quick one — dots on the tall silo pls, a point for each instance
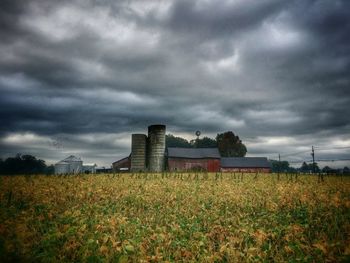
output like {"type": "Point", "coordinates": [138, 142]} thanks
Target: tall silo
{"type": "Point", "coordinates": [138, 152]}
{"type": "Point", "coordinates": [156, 148]}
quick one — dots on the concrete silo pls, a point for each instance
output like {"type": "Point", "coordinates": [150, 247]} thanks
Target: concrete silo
{"type": "Point", "coordinates": [138, 152]}
{"type": "Point", "coordinates": [156, 148]}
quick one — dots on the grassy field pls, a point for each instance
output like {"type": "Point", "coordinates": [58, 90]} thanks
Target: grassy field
{"type": "Point", "coordinates": [174, 217]}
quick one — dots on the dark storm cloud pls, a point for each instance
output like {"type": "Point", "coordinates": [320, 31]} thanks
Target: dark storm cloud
{"type": "Point", "coordinates": [9, 15]}
{"type": "Point", "coordinates": [92, 72]}
{"type": "Point", "coordinates": [219, 20]}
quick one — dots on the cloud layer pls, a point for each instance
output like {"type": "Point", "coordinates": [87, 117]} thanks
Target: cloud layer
{"type": "Point", "coordinates": [80, 76]}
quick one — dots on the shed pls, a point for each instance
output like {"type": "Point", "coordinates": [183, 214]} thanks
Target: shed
{"type": "Point", "coordinates": [187, 159]}
{"type": "Point", "coordinates": [245, 164]}
{"type": "Point", "coordinates": [104, 170]}
{"type": "Point", "coordinates": [89, 168]}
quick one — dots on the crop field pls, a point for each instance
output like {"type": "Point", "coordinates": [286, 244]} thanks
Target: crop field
{"type": "Point", "coordinates": [174, 217]}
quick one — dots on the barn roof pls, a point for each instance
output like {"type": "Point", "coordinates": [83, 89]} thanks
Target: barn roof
{"type": "Point", "coordinates": [193, 153]}
{"type": "Point", "coordinates": [245, 162]}
{"type": "Point", "coordinates": [121, 160]}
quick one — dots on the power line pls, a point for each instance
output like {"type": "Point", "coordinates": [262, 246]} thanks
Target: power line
{"type": "Point", "coordinates": [312, 151]}
{"type": "Point", "coordinates": [296, 153]}
{"type": "Point", "coordinates": [333, 160]}
{"type": "Point", "coordinates": [320, 160]}
{"type": "Point", "coordinates": [331, 148]}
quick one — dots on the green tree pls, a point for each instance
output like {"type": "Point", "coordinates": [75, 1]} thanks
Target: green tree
{"type": "Point", "coordinates": [304, 168]}
{"type": "Point", "coordinates": [327, 169]}
{"type": "Point", "coordinates": [308, 168]}
{"type": "Point", "coordinates": [22, 164]}
{"type": "Point", "coordinates": [230, 145]}
{"type": "Point", "coordinates": [205, 142]}
{"type": "Point", "coordinates": [172, 141]}
{"type": "Point", "coordinates": [280, 166]}
{"type": "Point", "coordinates": [49, 170]}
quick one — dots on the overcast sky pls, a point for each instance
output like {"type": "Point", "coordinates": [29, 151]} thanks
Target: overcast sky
{"type": "Point", "coordinates": [79, 76]}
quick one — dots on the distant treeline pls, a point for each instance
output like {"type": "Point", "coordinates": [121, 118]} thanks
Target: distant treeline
{"type": "Point", "coordinates": [283, 167]}
{"type": "Point", "coordinates": [28, 164]}
{"type": "Point", "coordinates": [229, 144]}
{"type": "Point", "coordinates": [24, 164]}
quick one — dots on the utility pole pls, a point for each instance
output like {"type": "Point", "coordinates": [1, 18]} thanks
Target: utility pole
{"type": "Point", "coordinates": [313, 159]}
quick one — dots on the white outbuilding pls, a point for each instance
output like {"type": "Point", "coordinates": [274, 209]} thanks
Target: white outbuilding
{"type": "Point", "coordinates": [70, 165]}
{"type": "Point", "coordinates": [89, 168]}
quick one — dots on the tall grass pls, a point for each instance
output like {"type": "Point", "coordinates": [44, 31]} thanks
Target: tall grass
{"type": "Point", "coordinates": [174, 216]}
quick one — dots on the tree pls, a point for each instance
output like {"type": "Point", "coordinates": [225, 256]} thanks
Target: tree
{"type": "Point", "coordinates": [280, 166]}
{"type": "Point", "coordinates": [172, 141]}
{"type": "Point", "coordinates": [308, 168]}
{"type": "Point", "coordinates": [1, 166]}
{"type": "Point", "coordinates": [49, 170]}
{"type": "Point", "coordinates": [326, 169]}
{"type": "Point", "coordinates": [205, 142]}
{"type": "Point", "coordinates": [304, 168]}
{"type": "Point", "coordinates": [230, 145]}
{"type": "Point", "coordinates": [22, 164]}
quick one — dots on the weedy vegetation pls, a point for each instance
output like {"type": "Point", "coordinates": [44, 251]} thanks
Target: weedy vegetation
{"type": "Point", "coordinates": [186, 217]}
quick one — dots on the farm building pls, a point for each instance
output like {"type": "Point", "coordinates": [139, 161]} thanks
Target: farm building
{"type": "Point", "coordinates": [149, 153]}
{"type": "Point", "coordinates": [89, 168]}
{"type": "Point", "coordinates": [70, 165]}
{"type": "Point", "coordinates": [185, 159]}
{"type": "Point", "coordinates": [103, 170]}
{"type": "Point", "coordinates": [121, 165]}
{"type": "Point", "coordinates": [245, 164]}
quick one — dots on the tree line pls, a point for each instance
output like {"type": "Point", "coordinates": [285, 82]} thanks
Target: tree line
{"type": "Point", "coordinates": [284, 167]}
{"type": "Point", "coordinates": [228, 144]}
{"type": "Point", "coordinates": [24, 164]}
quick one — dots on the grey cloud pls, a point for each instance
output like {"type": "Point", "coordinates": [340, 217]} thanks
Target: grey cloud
{"type": "Point", "coordinates": [262, 69]}
{"type": "Point", "coordinates": [223, 20]}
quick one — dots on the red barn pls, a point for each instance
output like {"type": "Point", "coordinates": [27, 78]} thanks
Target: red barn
{"type": "Point", "coordinates": [185, 159]}
{"type": "Point", "coordinates": [122, 165]}
{"type": "Point", "coordinates": [245, 164]}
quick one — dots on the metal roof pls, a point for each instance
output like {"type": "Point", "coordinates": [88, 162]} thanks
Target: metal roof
{"type": "Point", "coordinates": [70, 159]}
{"type": "Point", "coordinates": [89, 164]}
{"type": "Point", "coordinates": [193, 153]}
{"type": "Point", "coordinates": [245, 162]}
{"type": "Point", "coordinates": [121, 160]}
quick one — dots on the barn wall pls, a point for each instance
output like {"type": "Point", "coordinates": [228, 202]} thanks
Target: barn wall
{"type": "Point", "coordinates": [121, 164]}
{"type": "Point", "coordinates": [179, 164]}
{"type": "Point", "coordinates": [246, 170]}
